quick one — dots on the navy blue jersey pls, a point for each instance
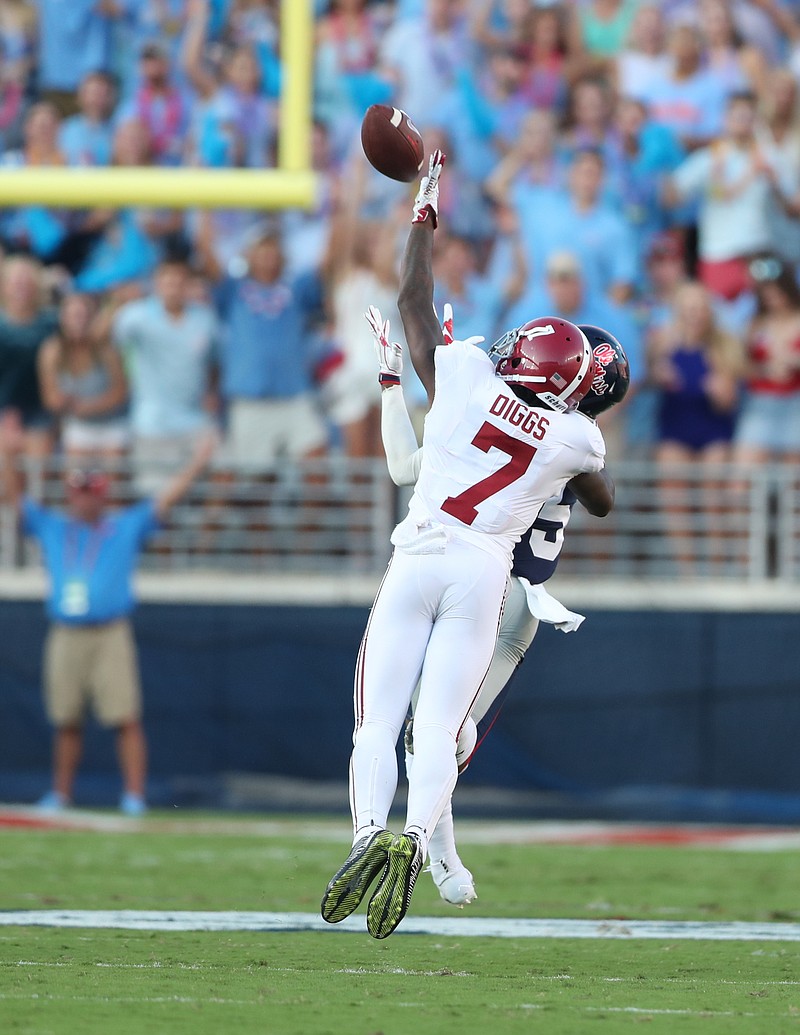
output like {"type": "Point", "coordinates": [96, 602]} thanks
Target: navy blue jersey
{"type": "Point", "coordinates": [536, 554]}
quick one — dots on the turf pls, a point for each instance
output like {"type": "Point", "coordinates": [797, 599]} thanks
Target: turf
{"type": "Point", "coordinates": [65, 981]}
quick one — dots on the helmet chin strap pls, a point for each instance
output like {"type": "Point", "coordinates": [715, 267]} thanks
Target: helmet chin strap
{"type": "Point", "coordinates": [553, 400]}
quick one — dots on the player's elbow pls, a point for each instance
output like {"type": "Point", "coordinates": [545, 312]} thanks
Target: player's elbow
{"type": "Point", "coordinates": [595, 492]}
{"type": "Point", "coordinates": [601, 508]}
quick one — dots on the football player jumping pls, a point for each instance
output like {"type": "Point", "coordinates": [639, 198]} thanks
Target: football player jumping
{"type": "Point", "coordinates": [500, 440]}
{"type": "Point", "coordinates": [536, 556]}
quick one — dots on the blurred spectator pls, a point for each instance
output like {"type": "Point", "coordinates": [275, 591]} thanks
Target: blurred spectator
{"type": "Point", "coordinates": [568, 294]}
{"type": "Point", "coordinates": [735, 185]}
{"type": "Point", "coordinates": [129, 241]}
{"type": "Point", "coordinates": [577, 219]}
{"type": "Point", "coordinates": [34, 228]}
{"type": "Point", "coordinates": [696, 367]}
{"type": "Point", "coordinates": [639, 155]}
{"type": "Point", "coordinates": [734, 65]}
{"type": "Point", "coordinates": [17, 41]}
{"type": "Point", "coordinates": [686, 96]}
{"type": "Point", "coordinates": [552, 57]}
{"type": "Point", "coordinates": [25, 322]}
{"type": "Point", "coordinates": [604, 26]}
{"type": "Point", "coordinates": [589, 115]}
{"type": "Point", "coordinates": [75, 38]}
{"type": "Point", "coordinates": [421, 56]}
{"type": "Point", "coordinates": [348, 38]}
{"type": "Point", "coordinates": [159, 105]}
{"type": "Point", "coordinates": [39, 138]}
{"type": "Point", "coordinates": [305, 231]}
{"type": "Point", "coordinates": [534, 162]}
{"type": "Point", "coordinates": [87, 137]}
{"type": "Point", "coordinates": [267, 355]}
{"type": "Point", "coordinates": [665, 271]}
{"type": "Point", "coordinates": [479, 297]}
{"type": "Point", "coordinates": [778, 138]}
{"type": "Point", "coordinates": [492, 105]}
{"type": "Point", "coordinates": [90, 656]}
{"type": "Point", "coordinates": [170, 344]}
{"type": "Point", "coordinates": [769, 425]}
{"type": "Point", "coordinates": [161, 22]}
{"type": "Point", "coordinates": [644, 58]}
{"type": "Point", "coordinates": [361, 270]}
{"type": "Point", "coordinates": [235, 123]}
{"type": "Point", "coordinates": [501, 24]}
{"type": "Point", "coordinates": [82, 382]}
{"type": "Point", "coordinates": [12, 103]}
{"type": "Point", "coordinates": [462, 200]}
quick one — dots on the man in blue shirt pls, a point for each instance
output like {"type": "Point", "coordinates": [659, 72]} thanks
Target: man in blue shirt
{"type": "Point", "coordinates": [578, 220]}
{"type": "Point", "coordinates": [87, 138]}
{"type": "Point", "coordinates": [90, 554]}
{"type": "Point", "coordinates": [566, 293]}
{"type": "Point", "coordinates": [75, 38]}
{"type": "Point", "coordinates": [268, 354]}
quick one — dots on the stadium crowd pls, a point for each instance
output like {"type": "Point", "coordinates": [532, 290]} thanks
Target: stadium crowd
{"type": "Point", "coordinates": [623, 163]}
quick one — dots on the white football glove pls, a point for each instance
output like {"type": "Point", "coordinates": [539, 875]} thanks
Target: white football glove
{"type": "Point", "coordinates": [447, 325]}
{"type": "Point", "coordinates": [390, 353]}
{"type": "Point", "coordinates": [426, 203]}
{"type": "Point", "coordinates": [448, 334]}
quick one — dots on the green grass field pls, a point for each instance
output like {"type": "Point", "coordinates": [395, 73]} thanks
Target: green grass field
{"type": "Point", "coordinates": [334, 982]}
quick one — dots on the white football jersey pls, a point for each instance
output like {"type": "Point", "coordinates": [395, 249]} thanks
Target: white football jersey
{"type": "Point", "coordinates": [489, 461]}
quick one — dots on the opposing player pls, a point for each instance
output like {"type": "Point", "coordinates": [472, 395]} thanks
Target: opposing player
{"type": "Point", "coordinates": [499, 441]}
{"type": "Point", "coordinates": [536, 556]}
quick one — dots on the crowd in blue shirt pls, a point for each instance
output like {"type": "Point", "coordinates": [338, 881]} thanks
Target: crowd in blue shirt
{"type": "Point", "coordinates": [604, 142]}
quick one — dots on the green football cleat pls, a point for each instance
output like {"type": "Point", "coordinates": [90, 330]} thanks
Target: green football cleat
{"type": "Point", "coordinates": [391, 899]}
{"type": "Point", "coordinates": [349, 884]}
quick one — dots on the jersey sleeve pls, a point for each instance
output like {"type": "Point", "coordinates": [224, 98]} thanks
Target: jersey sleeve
{"type": "Point", "coordinates": [596, 450]}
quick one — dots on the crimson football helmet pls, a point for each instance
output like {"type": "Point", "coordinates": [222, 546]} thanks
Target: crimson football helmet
{"type": "Point", "coordinates": [550, 357]}
{"type": "Point", "coordinates": [611, 376]}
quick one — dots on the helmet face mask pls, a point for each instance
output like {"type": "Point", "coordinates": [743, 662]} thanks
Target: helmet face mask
{"type": "Point", "coordinates": [549, 357]}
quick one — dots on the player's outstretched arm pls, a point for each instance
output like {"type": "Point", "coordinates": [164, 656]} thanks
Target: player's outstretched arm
{"type": "Point", "coordinates": [403, 455]}
{"type": "Point", "coordinates": [595, 490]}
{"type": "Point", "coordinates": [415, 300]}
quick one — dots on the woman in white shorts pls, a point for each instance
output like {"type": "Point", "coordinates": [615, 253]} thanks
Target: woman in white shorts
{"type": "Point", "coordinates": [769, 422]}
{"type": "Point", "coordinates": [82, 380]}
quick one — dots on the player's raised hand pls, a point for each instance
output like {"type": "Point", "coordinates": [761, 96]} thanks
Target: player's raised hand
{"type": "Point", "coordinates": [426, 203]}
{"type": "Point", "coordinates": [389, 353]}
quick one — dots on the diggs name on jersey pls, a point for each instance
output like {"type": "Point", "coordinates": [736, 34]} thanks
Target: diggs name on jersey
{"type": "Point", "coordinates": [510, 409]}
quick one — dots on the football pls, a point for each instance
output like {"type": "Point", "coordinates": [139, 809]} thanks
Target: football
{"type": "Point", "coordinates": [392, 143]}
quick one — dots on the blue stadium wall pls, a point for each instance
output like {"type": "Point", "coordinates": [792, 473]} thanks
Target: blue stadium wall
{"type": "Point", "coordinates": [642, 715]}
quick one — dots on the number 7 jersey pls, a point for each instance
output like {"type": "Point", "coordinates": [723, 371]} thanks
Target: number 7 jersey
{"type": "Point", "coordinates": [489, 461]}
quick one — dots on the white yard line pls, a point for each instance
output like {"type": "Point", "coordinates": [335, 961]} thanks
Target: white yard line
{"type": "Point", "coordinates": [460, 926]}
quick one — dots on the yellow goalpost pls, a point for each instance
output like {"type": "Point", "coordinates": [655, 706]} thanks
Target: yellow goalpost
{"type": "Point", "coordinates": [291, 185]}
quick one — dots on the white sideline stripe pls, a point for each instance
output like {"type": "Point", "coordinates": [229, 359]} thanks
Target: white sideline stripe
{"type": "Point", "coordinates": [458, 927]}
{"type": "Point", "coordinates": [491, 832]}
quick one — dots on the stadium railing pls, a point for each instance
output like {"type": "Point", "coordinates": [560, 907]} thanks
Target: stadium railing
{"type": "Point", "coordinates": [334, 516]}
